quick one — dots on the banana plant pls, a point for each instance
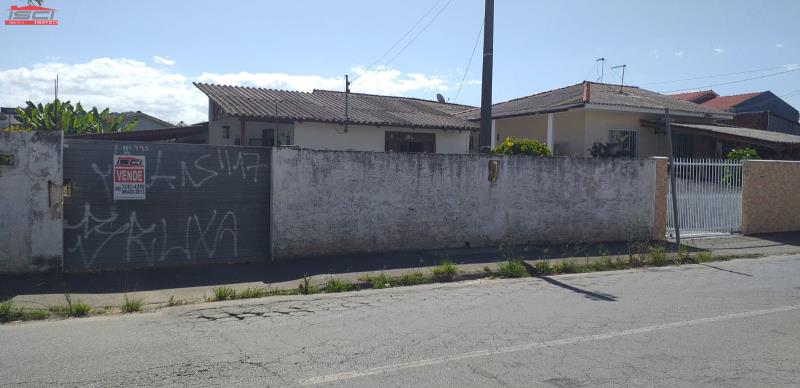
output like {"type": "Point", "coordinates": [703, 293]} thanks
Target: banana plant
{"type": "Point", "coordinates": [63, 116]}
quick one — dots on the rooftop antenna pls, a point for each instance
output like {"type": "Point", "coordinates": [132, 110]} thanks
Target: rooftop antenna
{"type": "Point", "coordinates": [602, 67]}
{"type": "Point", "coordinates": [623, 76]}
{"type": "Point", "coordinates": [440, 98]}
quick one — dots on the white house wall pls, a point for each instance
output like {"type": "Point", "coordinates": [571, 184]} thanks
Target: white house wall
{"type": "Point", "coordinates": [327, 136]}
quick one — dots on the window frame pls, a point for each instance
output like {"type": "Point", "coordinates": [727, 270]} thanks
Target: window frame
{"type": "Point", "coordinates": [624, 131]}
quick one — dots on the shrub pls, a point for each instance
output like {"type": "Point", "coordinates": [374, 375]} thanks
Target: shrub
{"type": "Point", "coordinates": [518, 146]}
{"type": "Point", "coordinates": [544, 268]}
{"type": "Point", "coordinates": [9, 311]}
{"type": "Point", "coordinates": [132, 304]}
{"type": "Point", "coordinates": [337, 285]}
{"type": "Point", "coordinates": [445, 272]}
{"type": "Point", "coordinates": [249, 293]}
{"type": "Point", "coordinates": [412, 279]}
{"type": "Point", "coordinates": [742, 154]}
{"type": "Point", "coordinates": [224, 293]}
{"type": "Point", "coordinates": [658, 256]}
{"type": "Point", "coordinates": [33, 315]}
{"type": "Point", "coordinates": [512, 269]}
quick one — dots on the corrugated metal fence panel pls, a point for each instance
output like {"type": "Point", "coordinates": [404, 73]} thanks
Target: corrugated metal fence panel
{"type": "Point", "coordinates": [204, 204]}
{"type": "Point", "coordinates": [709, 196]}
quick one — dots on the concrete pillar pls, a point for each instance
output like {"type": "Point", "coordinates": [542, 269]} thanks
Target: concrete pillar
{"type": "Point", "coordinates": [550, 144]}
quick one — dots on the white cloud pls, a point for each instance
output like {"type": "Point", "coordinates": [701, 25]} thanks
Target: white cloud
{"type": "Point", "coordinates": [655, 53]}
{"type": "Point", "coordinates": [779, 45]}
{"type": "Point", "coordinates": [719, 50]}
{"type": "Point", "coordinates": [792, 66]}
{"type": "Point", "coordinates": [126, 85]}
{"type": "Point", "coordinates": [163, 60]}
{"type": "Point", "coordinates": [679, 54]}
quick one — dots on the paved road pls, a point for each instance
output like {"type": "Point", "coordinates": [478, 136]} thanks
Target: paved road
{"type": "Point", "coordinates": [727, 324]}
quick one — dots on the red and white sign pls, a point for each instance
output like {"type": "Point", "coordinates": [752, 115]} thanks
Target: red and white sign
{"type": "Point", "coordinates": [129, 177]}
{"type": "Point", "coordinates": [31, 15]}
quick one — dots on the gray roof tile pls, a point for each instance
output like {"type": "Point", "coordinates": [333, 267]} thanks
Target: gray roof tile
{"type": "Point", "coordinates": [328, 106]}
{"type": "Point", "coordinates": [599, 94]}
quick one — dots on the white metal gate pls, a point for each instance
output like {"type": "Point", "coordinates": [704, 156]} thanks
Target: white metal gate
{"type": "Point", "coordinates": [709, 193]}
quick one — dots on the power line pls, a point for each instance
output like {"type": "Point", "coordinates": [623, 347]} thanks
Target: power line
{"type": "Point", "coordinates": [466, 71]}
{"type": "Point", "coordinates": [713, 76]}
{"type": "Point", "coordinates": [732, 82]}
{"type": "Point", "coordinates": [421, 18]}
{"type": "Point", "coordinates": [413, 39]}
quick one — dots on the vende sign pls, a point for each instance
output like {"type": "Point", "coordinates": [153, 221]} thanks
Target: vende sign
{"type": "Point", "coordinates": [129, 177]}
{"type": "Point", "coordinates": [31, 15]}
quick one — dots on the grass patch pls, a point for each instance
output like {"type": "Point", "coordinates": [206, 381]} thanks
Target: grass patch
{"type": "Point", "coordinates": [306, 288]}
{"type": "Point", "coordinates": [566, 266]}
{"type": "Point", "coordinates": [658, 256]}
{"type": "Point", "coordinates": [250, 293]}
{"type": "Point", "coordinates": [338, 285]}
{"type": "Point", "coordinates": [512, 269]}
{"type": "Point", "coordinates": [131, 304]}
{"type": "Point", "coordinates": [704, 257]}
{"type": "Point", "coordinates": [224, 293]}
{"type": "Point", "coordinates": [412, 279]}
{"type": "Point", "coordinates": [445, 272]}
{"type": "Point", "coordinates": [544, 268]}
{"type": "Point", "coordinates": [10, 311]}
{"type": "Point", "coordinates": [380, 281]}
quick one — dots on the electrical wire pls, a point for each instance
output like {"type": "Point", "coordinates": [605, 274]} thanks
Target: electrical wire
{"type": "Point", "coordinates": [366, 75]}
{"type": "Point", "coordinates": [732, 82]}
{"type": "Point", "coordinates": [421, 18]}
{"type": "Point", "coordinates": [466, 71]}
{"type": "Point", "coordinates": [713, 76]}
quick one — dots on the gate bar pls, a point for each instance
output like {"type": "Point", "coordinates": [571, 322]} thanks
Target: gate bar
{"type": "Point", "coordinates": [671, 165]}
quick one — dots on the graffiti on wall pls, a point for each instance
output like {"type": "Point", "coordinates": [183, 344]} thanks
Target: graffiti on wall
{"type": "Point", "coordinates": [196, 201]}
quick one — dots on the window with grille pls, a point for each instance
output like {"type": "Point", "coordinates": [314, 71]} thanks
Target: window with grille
{"type": "Point", "coordinates": [626, 141]}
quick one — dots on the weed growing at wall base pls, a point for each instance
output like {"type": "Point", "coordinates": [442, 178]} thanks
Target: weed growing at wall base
{"type": "Point", "coordinates": [224, 293]}
{"type": "Point", "coordinates": [131, 304]}
{"type": "Point", "coordinates": [445, 272]}
{"type": "Point", "coordinates": [338, 285]}
{"type": "Point", "coordinates": [512, 269]}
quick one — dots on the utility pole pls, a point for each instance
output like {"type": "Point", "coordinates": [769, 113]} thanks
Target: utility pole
{"type": "Point", "coordinates": [346, 101]}
{"type": "Point", "coordinates": [671, 164]}
{"type": "Point", "coordinates": [485, 138]}
{"type": "Point", "coordinates": [56, 87]}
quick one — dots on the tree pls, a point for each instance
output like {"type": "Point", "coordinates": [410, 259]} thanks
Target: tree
{"type": "Point", "coordinates": [62, 116]}
{"type": "Point", "coordinates": [517, 146]}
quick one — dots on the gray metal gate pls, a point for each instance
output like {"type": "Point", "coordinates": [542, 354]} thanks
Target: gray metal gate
{"type": "Point", "coordinates": [203, 204]}
{"type": "Point", "coordinates": [709, 194]}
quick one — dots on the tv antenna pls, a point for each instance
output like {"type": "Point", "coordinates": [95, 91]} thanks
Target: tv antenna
{"type": "Point", "coordinates": [602, 67]}
{"type": "Point", "coordinates": [623, 76]}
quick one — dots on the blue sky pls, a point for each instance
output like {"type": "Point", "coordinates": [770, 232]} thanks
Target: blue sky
{"type": "Point", "coordinates": [105, 51]}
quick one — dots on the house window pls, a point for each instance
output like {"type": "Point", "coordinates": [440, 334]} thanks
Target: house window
{"type": "Point", "coordinates": [626, 141]}
{"type": "Point", "coordinates": [410, 142]}
{"type": "Point", "coordinates": [226, 132]}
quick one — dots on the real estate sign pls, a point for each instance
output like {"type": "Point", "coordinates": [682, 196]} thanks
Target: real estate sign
{"type": "Point", "coordinates": [129, 180]}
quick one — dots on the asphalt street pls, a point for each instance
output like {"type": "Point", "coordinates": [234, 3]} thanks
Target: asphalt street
{"type": "Point", "coordinates": [731, 323]}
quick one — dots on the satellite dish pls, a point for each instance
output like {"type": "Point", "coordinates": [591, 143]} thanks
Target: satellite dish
{"type": "Point", "coordinates": [440, 98]}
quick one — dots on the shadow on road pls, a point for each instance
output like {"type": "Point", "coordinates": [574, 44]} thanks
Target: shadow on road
{"type": "Point", "coordinates": [270, 272]}
{"type": "Point", "coordinates": [726, 270]}
{"type": "Point", "coordinates": [588, 294]}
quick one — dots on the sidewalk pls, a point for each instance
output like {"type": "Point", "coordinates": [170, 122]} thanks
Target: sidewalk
{"type": "Point", "coordinates": [194, 284]}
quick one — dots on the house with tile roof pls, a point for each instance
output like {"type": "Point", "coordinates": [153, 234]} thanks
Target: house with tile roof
{"type": "Point", "coordinates": [333, 120]}
{"type": "Point", "coordinates": [571, 120]}
{"type": "Point", "coordinates": [760, 110]}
